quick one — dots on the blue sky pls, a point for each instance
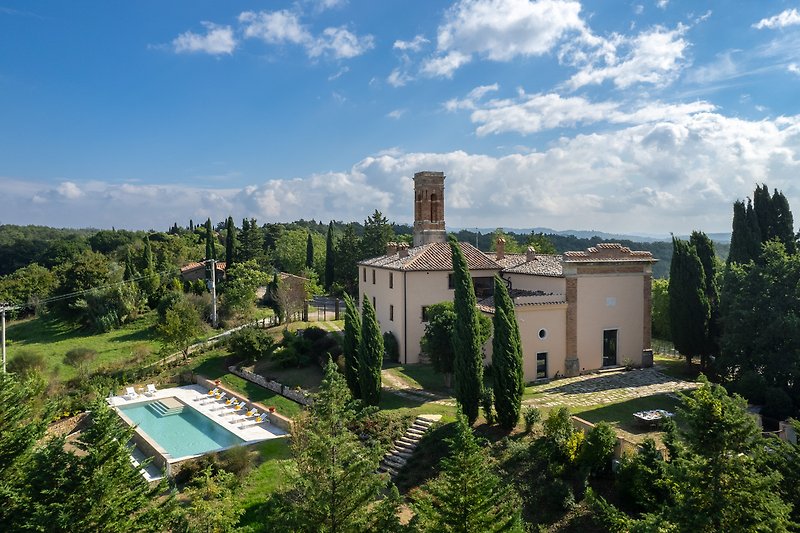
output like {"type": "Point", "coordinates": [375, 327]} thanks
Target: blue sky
{"type": "Point", "coordinates": [643, 116]}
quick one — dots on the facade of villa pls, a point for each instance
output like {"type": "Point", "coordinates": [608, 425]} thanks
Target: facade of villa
{"type": "Point", "coordinates": [577, 312]}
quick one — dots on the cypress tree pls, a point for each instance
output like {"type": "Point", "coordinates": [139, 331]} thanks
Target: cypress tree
{"type": "Point", "coordinates": [740, 233]}
{"type": "Point", "coordinates": [330, 258]}
{"type": "Point", "coordinates": [467, 496]}
{"type": "Point", "coordinates": [468, 357]}
{"type": "Point", "coordinates": [708, 259]}
{"type": "Point", "coordinates": [765, 214]}
{"type": "Point", "coordinates": [689, 309]}
{"type": "Point", "coordinates": [783, 222]}
{"type": "Point", "coordinates": [309, 252]}
{"type": "Point", "coordinates": [506, 359]}
{"type": "Point", "coordinates": [370, 355]}
{"type": "Point", "coordinates": [754, 236]}
{"type": "Point", "coordinates": [147, 255]}
{"type": "Point", "coordinates": [191, 226]}
{"type": "Point", "coordinates": [230, 242]}
{"type": "Point", "coordinates": [211, 247]}
{"type": "Point", "coordinates": [350, 343]}
{"type": "Point", "coordinates": [130, 269]}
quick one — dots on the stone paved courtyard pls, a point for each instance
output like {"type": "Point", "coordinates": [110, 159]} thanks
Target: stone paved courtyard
{"type": "Point", "coordinates": [606, 387]}
{"type": "Point", "coordinates": [583, 391]}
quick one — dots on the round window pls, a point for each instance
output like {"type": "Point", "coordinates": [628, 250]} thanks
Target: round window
{"type": "Point", "coordinates": [542, 333]}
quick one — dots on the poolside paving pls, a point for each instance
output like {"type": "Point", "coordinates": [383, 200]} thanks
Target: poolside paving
{"type": "Point", "coordinates": [606, 387]}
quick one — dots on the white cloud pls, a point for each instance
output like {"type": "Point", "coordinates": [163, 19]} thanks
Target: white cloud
{"type": "Point", "coordinates": [789, 17]}
{"type": "Point", "coordinates": [472, 98]}
{"type": "Point", "coordinates": [396, 114]}
{"type": "Point", "coordinates": [445, 66]}
{"type": "Point", "coordinates": [654, 57]}
{"type": "Point", "coordinates": [414, 45]}
{"type": "Point", "coordinates": [793, 68]}
{"type": "Point", "coordinates": [340, 43]}
{"type": "Point", "coordinates": [339, 73]}
{"type": "Point", "coordinates": [276, 27]}
{"type": "Point", "coordinates": [662, 4]}
{"type": "Point", "coordinates": [398, 78]}
{"type": "Point", "coordinates": [69, 190]}
{"type": "Point", "coordinates": [217, 40]}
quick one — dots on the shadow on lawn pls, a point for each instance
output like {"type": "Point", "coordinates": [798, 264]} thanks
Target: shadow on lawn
{"type": "Point", "coordinates": [621, 414]}
{"type": "Point", "coordinates": [617, 380]}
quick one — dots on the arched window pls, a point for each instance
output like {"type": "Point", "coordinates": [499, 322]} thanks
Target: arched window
{"type": "Point", "coordinates": [433, 207]}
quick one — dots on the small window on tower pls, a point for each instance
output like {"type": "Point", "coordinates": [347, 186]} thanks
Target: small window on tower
{"type": "Point", "coordinates": [373, 276]}
{"type": "Point", "coordinates": [365, 273]}
{"type": "Point", "coordinates": [391, 280]}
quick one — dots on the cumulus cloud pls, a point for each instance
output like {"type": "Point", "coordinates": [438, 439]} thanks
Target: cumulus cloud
{"type": "Point", "coordinates": [793, 68]}
{"type": "Point", "coordinates": [654, 57]}
{"type": "Point", "coordinates": [677, 173]}
{"type": "Point", "coordinates": [217, 40]}
{"type": "Point", "coordinates": [340, 43]}
{"type": "Point", "coordinates": [396, 113]}
{"type": "Point", "coordinates": [444, 66]}
{"type": "Point", "coordinates": [276, 27]}
{"type": "Point", "coordinates": [789, 17]}
{"type": "Point", "coordinates": [414, 45]}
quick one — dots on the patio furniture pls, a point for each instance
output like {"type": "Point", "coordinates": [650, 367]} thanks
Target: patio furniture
{"type": "Point", "coordinates": [653, 417]}
{"type": "Point", "coordinates": [151, 390]}
{"type": "Point", "coordinates": [130, 394]}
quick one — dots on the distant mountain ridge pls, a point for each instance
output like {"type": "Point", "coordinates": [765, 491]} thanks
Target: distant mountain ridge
{"type": "Point", "coordinates": [588, 234]}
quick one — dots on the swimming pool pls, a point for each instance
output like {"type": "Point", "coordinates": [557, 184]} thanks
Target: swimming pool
{"type": "Point", "coordinates": [179, 429]}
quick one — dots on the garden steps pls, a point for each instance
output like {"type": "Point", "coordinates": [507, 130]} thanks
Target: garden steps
{"type": "Point", "coordinates": [396, 458]}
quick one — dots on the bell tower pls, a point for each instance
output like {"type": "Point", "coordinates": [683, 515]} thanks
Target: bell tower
{"type": "Point", "coordinates": [429, 208]}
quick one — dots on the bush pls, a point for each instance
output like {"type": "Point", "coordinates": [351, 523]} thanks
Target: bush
{"type": "Point", "coordinates": [314, 333]}
{"type": "Point", "coordinates": [166, 302]}
{"type": "Point", "coordinates": [641, 479]}
{"type": "Point", "coordinates": [598, 449]}
{"type": "Point", "coordinates": [383, 428]}
{"type": "Point", "coordinates": [238, 460]}
{"type": "Point", "coordinates": [251, 344]}
{"type": "Point", "coordinates": [532, 416]}
{"type": "Point", "coordinates": [78, 357]}
{"type": "Point", "coordinates": [26, 363]}
{"type": "Point", "coordinates": [294, 351]}
{"type": "Point", "coordinates": [777, 404]}
{"type": "Point", "coordinates": [391, 346]}
{"type": "Point", "coordinates": [752, 386]}
{"type": "Point", "coordinates": [487, 401]}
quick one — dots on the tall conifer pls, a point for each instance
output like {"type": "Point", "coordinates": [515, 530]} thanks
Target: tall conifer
{"type": "Point", "coordinates": [468, 362]}
{"type": "Point", "coordinates": [704, 248]}
{"type": "Point", "coordinates": [689, 309]}
{"type": "Point", "coordinates": [370, 355]}
{"type": "Point", "coordinates": [309, 251]}
{"type": "Point", "coordinates": [506, 358]}
{"type": "Point", "coordinates": [783, 222]}
{"type": "Point", "coordinates": [351, 341]}
{"type": "Point", "coordinates": [230, 242]}
{"type": "Point", "coordinates": [330, 258]}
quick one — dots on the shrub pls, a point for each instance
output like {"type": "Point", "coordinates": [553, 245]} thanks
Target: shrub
{"type": "Point", "coordinates": [487, 401]}
{"type": "Point", "coordinates": [26, 363]}
{"type": "Point", "coordinates": [532, 416]}
{"type": "Point", "coordinates": [598, 449]}
{"type": "Point", "coordinates": [166, 302]}
{"type": "Point", "coordinates": [391, 347]}
{"type": "Point", "coordinates": [238, 460]}
{"type": "Point", "coordinates": [78, 357]}
{"type": "Point", "coordinates": [752, 386]}
{"type": "Point", "coordinates": [641, 478]}
{"type": "Point", "coordinates": [251, 344]}
{"type": "Point", "coordinates": [314, 333]}
{"type": "Point", "coordinates": [383, 427]}
{"type": "Point", "coordinates": [294, 351]}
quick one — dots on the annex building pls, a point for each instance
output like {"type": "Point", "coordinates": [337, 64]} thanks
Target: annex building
{"type": "Point", "coordinates": [577, 312]}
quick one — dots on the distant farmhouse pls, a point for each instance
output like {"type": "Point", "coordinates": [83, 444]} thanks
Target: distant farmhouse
{"type": "Point", "coordinates": [577, 312]}
{"type": "Point", "coordinates": [195, 270]}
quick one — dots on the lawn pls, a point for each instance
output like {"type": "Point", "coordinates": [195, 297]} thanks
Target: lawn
{"type": "Point", "coordinates": [307, 378]}
{"type": "Point", "coordinates": [620, 415]}
{"type": "Point", "coordinates": [676, 367]}
{"type": "Point", "coordinates": [422, 376]}
{"type": "Point", "coordinates": [54, 338]}
{"type": "Point", "coordinates": [265, 479]}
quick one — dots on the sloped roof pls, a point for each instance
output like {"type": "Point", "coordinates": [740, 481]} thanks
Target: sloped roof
{"type": "Point", "coordinates": [608, 252]}
{"type": "Point", "coordinates": [524, 298]}
{"type": "Point", "coordinates": [433, 256]}
{"type": "Point", "coordinates": [194, 265]}
{"type": "Point", "coordinates": [539, 265]}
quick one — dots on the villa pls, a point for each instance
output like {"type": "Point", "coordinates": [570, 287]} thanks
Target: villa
{"type": "Point", "coordinates": [577, 312]}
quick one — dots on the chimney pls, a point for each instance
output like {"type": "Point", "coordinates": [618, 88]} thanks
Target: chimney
{"type": "Point", "coordinates": [391, 248]}
{"type": "Point", "coordinates": [402, 249]}
{"type": "Point", "coordinates": [500, 249]}
{"type": "Point", "coordinates": [530, 255]}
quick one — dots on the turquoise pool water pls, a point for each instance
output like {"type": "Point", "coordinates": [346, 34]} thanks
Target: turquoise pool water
{"type": "Point", "coordinates": [181, 434]}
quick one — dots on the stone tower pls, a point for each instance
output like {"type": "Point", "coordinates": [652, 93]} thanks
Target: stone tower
{"type": "Point", "coordinates": [429, 208]}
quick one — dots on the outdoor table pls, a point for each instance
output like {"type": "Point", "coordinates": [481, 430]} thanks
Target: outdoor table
{"type": "Point", "coordinates": [653, 417]}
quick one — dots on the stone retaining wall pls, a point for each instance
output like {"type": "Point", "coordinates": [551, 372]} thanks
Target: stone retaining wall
{"type": "Point", "coordinates": [623, 445]}
{"type": "Point", "coordinates": [300, 396]}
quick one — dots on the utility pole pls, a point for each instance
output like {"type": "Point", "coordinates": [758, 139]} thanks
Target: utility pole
{"type": "Point", "coordinates": [3, 308]}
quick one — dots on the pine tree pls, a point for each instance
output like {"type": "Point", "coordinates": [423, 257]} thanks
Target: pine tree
{"type": "Point", "coordinates": [506, 359]}
{"type": "Point", "coordinates": [130, 269]}
{"type": "Point", "coordinates": [370, 355]}
{"type": "Point", "coordinates": [377, 232]}
{"type": "Point", "coordinates": [252, 241]}
{"type": "Point", "coordinates": [330, 258]}
{"type": "Point", "coordinates": [335, 482]}
{"type": "Point", "coordinates": [754, 240]}
{"type": "Point", "coordinates": [468, 363]}
{"type": "Point", "coordinates": [689, 309]}
{"type": "Point", "coordinates": [309, 252]}
{"type": "Point", "coordinates": [230, 242]}
{"type": "Point", "coordinates": [347, 256]}
{"type": "Point", "coordinates": [740, 249]}
{"type": "Point", "coordinates": [351, 341]}
{"type": "Point", "coordinates": [467, 496]}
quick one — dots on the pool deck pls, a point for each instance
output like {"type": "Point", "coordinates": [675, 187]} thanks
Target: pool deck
{"type": "Point", "coordinates": [196, 397]}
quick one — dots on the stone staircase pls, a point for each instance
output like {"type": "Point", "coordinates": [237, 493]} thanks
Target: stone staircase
{"type": "Point", "coordinates": [404, 447]}
{"type": "Point", "coordinates": [166, 407]}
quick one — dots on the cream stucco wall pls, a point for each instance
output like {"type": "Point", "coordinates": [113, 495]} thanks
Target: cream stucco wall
{"type": "Point", "coordinates": [416, 289]}
{"type": "Point", "coordinates": [609, 301]}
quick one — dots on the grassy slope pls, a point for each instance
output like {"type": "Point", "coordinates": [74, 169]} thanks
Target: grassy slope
{"type": "Point", "coordinates": [54, 338]}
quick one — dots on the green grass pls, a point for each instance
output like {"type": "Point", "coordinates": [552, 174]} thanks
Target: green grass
{"type": "Point", "coordinates": [214, 367]}
{"type": "Point", "coordinates": [267, 478]}
{"type": "Point", "coordinates": [422, 376]}
{"type": "Point", "coordinates": [54, 338]}
{"type": "Point", "coordinates": [307, 378]}
{"type": "Point", "coordinates": [676, 367]}
{"type": "Point", "coordinates": [394, 402]}
{"type": "Point", "coordinates": [620, 415]}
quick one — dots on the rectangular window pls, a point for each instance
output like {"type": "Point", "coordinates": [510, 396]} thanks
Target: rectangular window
{"type": "Point", "coordinates": [365, 273]}
{"type": "Point", "coordinates": [373, 276]}
{"type": "Point", "coordinates": [425, 317]}
{"type": "Point", "coordinates": [451, 281]}
{"type": "Point", "coordinates": [541, 365]}
{"type": "Point", "coordinates": [374, 305]}
{"type": "Point", "coordinates": [391, 280]}
{"type": "Point", "coordinates": [391, 313]}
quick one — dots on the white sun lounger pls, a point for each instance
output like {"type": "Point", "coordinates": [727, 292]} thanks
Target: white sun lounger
{"type": "Point", "coordinates": [130, 394]}
{"type": "Point", "coordinates": [151, 390]}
